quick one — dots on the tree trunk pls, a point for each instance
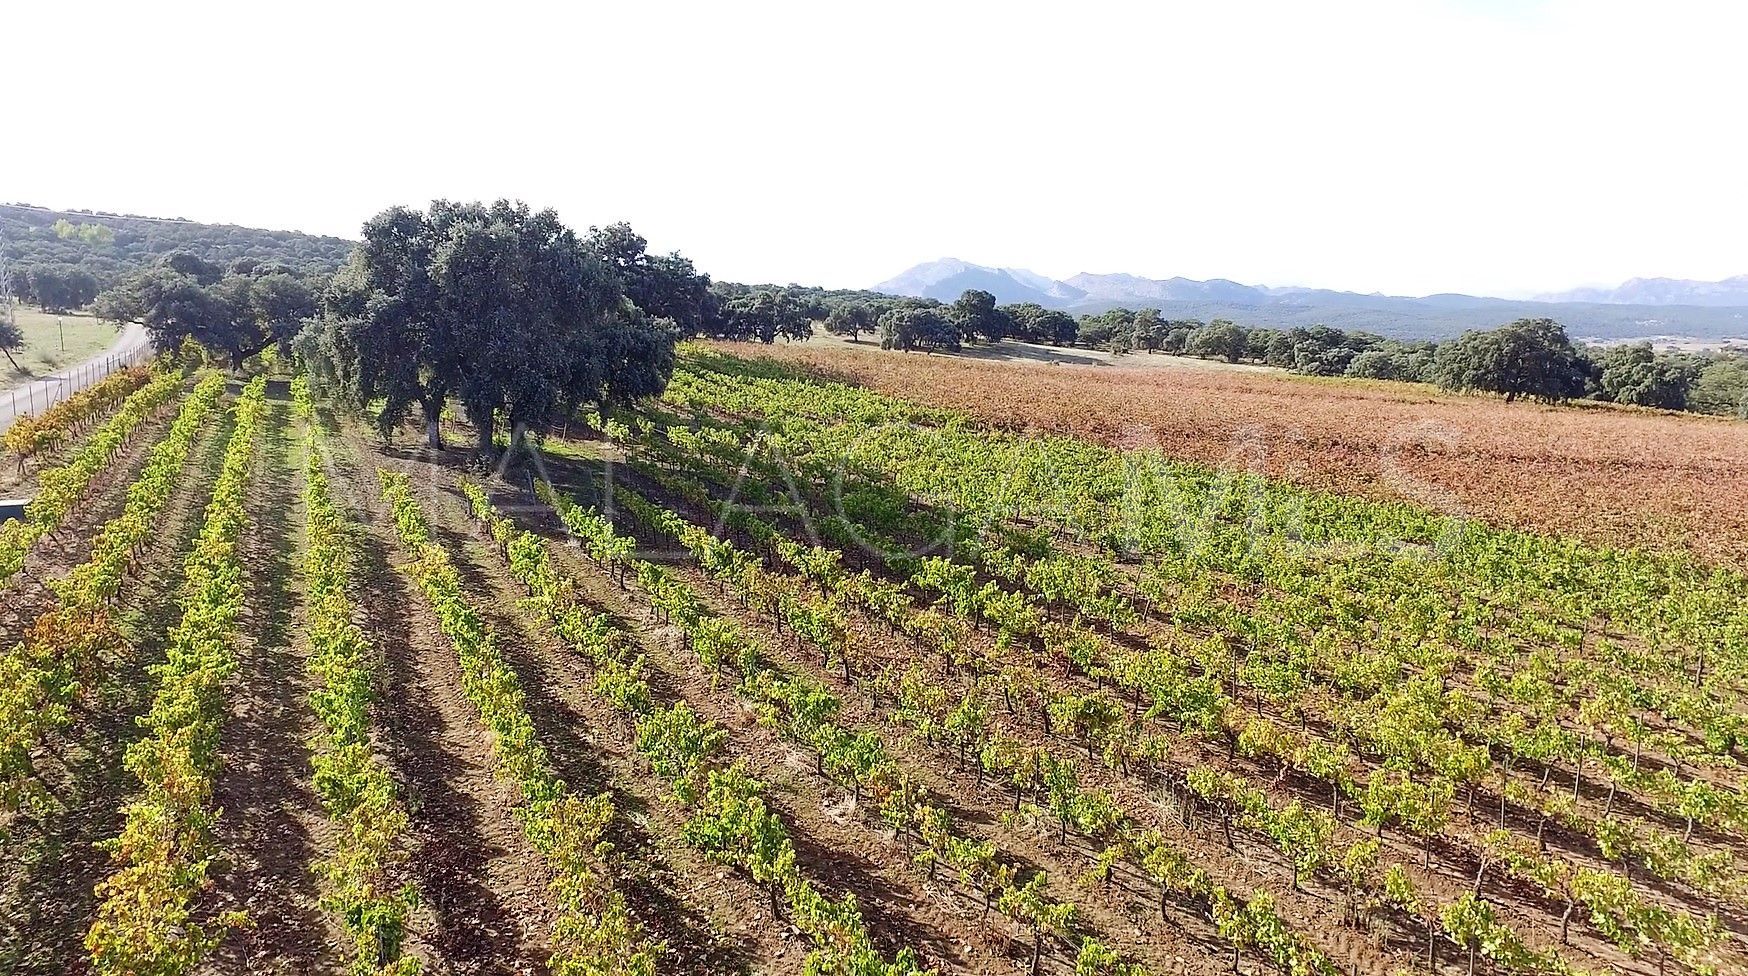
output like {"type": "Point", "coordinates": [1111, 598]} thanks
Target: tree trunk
{"type": "Point", "coordinates": [433, 410]}
{"type": "Point", "coordinates": [488, 428]}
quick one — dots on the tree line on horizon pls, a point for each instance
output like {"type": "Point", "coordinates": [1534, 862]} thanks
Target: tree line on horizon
{"type": "Point", "coordinates": [453, 300]}
{"type": "Point", "coordinates": [1529, 358]}
{"type": "Point", "coordinates": [1526, 359]}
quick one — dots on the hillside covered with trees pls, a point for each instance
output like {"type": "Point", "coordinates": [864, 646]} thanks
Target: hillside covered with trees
{"type": "Point", "coordinates": [61, 259]}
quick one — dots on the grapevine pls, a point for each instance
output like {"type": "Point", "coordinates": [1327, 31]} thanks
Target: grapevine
{"type": "Point", "coordinates": [34, 434]}
{"type": "Point", "coordinates": [594, 933]}
{"type": "Point", "coordinates": [43, 675]}
{"type": "Point", "coordinates": [147, 917]}
{"type": "Point", "coordinates": [60, 488]}
{"type": "Point", "coordinates": [354, 784]}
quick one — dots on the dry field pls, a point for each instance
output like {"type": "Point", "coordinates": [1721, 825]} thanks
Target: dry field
{"type": "Point", "coordinates": [1602, 473]}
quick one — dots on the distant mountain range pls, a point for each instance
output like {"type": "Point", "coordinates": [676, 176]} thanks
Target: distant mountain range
{"type": "Point", "coordinates": [1731, 292]}
{"type": "Point", "coordinates": [1641, 308]}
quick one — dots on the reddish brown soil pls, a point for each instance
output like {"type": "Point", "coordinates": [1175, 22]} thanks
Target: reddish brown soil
{"type": "Point", "coordinates": [830, 848]}
{"type": "Point", "coordinates": [484, 906]}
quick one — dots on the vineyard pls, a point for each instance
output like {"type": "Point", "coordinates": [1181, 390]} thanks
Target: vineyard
{"type": "Point", "coordinates": [778, 673]}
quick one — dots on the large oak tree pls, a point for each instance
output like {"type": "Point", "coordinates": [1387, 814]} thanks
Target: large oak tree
{"type": "Point", "coordinates": [502, 308]}
{"type": "Point", "coordinates": [235, 316]}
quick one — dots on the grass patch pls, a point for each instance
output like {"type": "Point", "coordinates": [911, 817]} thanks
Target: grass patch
{"type": "Point", "coordinates": [44, 351]}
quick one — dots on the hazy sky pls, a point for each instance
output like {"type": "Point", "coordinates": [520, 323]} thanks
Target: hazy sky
{"type": "Point", "coordinates": [1407, 146]}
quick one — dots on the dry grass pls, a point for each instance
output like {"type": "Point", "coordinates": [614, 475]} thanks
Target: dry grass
{"type": "Point", "coordinates": [1599, 472]}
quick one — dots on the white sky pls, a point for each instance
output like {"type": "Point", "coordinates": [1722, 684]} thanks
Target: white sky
{"type": "Point", "coordinates": [1407, 146]}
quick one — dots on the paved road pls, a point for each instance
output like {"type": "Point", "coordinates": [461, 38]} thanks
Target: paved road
{"type": "Point", "coordinates": [35, 396]}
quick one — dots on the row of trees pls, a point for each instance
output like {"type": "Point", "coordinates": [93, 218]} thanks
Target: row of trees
{"type": "Point", "coordinates": [236, 311]}
{"type": "Point", "coordinates": [1531, 358]}
{"type": "Point", "coordinates": [1527, 358]}
{"type": "Point", "coordinates": [56, 288]}
{"type": "Point", "coordinates": [927, 324]}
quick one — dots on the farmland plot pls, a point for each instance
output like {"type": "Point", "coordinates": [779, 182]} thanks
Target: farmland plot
{"type": "Point", "coordinates": [781, 674]}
